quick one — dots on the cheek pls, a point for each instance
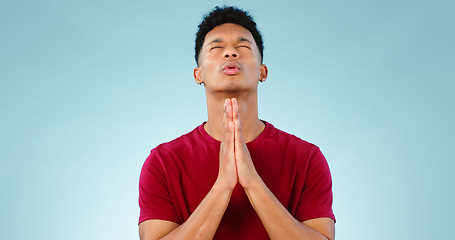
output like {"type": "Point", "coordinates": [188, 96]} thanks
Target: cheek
{"type": "Point", "coordinates": [254, 68]}
{"type": "Point", "coordinates": [208, 68]}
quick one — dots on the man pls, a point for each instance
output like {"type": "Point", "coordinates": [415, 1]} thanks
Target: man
{"type": "Point", "coordinates": [235, 176]}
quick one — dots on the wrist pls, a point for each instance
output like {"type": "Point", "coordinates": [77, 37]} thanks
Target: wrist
{"type": "Point", "coordinates": [223, 186]}
{"type": "Point", "coordinates": [253, 184]}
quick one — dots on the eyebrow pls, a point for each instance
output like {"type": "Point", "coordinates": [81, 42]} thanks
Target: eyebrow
{"type": "Point", "coordinates": [241, 39]}
{"type": "Point", "coordinates": [218, 40]}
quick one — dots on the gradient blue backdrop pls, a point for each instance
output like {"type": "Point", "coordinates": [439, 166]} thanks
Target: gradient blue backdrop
{"type": "Point", "coordinates": [89, 87]}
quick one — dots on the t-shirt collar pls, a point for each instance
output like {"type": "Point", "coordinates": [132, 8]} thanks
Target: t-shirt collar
{"type": "Point", "coordinates": [263, 135]}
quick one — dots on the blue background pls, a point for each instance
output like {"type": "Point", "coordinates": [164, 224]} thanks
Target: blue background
{"type": "Point", "coordinates": [89, 87]}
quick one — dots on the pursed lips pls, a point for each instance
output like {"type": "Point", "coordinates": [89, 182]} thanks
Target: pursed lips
{"type": "Point", "coordinates": [231, 68]}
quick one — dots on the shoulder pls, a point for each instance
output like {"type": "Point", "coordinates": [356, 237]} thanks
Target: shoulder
{"type": "Point", "coordinates": [183, 141]}
{"type": "Point", "coordinates": [293, 148]}
{"type": "Point", "coordinates": [290, 140]}
{"type": "Point", "coordinates": [175, 147]}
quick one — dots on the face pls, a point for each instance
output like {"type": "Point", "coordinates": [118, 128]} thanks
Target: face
{"type": "Point", "coordinates": [230, 60]}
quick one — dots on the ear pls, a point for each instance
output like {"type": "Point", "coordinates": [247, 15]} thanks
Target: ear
{"type": "Point", "coordinates": [264, 73]}
{"type": "Point", "coordinates": [197, 75]}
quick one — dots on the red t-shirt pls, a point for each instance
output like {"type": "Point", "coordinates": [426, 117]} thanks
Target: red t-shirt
{"type": "Point", "coordinates": [178, 175]}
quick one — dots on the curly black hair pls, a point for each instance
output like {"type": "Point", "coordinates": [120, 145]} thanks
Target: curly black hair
{"type": "Point", "coordinates": [227, 14]}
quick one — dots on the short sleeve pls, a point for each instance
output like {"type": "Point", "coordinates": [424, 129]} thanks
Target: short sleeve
{"type": "Point", "coordinates": [316, 197]}
{"type": "Point", "coordinates": [155, 200]}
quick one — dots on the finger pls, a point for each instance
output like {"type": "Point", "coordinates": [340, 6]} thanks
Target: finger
{"type": "Point", "coordinates": [235, 109]}
{"type": "Point", "coordinates": [225, 122]}
{"type": "Point", "coordinates": [229, 109]}
{"type": "Point", "coordinates": [227, 145]}
{"type": "Point", "coordinates": [231, 136]}
{"type": "Point", "coordinates": [238, 133]}
{"type": "Point", "coordinates": [237, 126]}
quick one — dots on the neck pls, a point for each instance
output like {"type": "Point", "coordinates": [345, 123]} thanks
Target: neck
{"type": "Point", "coordinates": [252, 126]}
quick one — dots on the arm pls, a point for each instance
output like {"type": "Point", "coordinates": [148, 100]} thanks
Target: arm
{"type": "Point", "coordinates": [278, 222]}
{"type": "Point", "coordinates": [204, 221]}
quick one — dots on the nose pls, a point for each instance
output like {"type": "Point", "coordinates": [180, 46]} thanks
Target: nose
{"type": "Point", "coordinates": [228, 55]}
{"type": "Point", "coordinates": [231, 52]}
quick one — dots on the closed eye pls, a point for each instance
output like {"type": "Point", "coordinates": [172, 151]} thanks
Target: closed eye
{"type": "Point", "coordinates": [214, 47]}
{"type": "Point", "coordinates": [245, 46]}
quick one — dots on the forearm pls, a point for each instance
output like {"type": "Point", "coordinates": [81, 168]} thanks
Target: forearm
{"type": "Point", "coordinates": [278, 222]}
{"type": "Point", "coordinates": [204, 221]}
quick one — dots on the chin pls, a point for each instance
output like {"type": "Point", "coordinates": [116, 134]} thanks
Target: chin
{"type": "Point", "coordinates": [235, 88]}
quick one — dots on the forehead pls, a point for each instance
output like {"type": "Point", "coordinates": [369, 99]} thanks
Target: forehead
{"type": "Point", "coordinates": [228, 31]}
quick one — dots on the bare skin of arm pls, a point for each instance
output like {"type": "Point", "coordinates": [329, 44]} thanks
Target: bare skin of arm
{"type": "Point", "coordinates": [204, 221]}
{"type": "Point", "coordinates": [278, 222]}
